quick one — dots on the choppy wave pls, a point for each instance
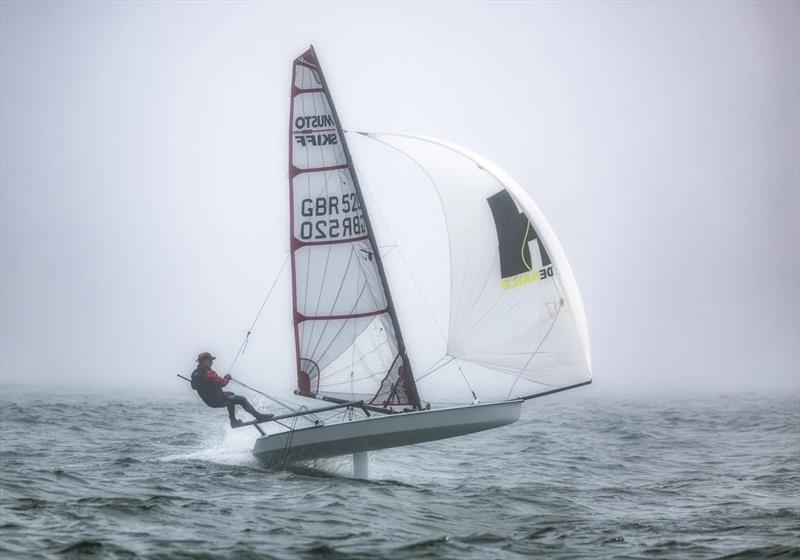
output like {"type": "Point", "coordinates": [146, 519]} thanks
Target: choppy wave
{"type": "Point", "coordinates": [580, 476]}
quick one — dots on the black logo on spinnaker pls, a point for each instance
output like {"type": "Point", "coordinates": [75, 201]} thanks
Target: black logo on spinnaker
{"type": "Point", "coordinates": [514, 232]}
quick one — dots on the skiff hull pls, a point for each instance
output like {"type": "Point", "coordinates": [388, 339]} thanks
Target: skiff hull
{"type": "Point", "coordinates": [382, 432]}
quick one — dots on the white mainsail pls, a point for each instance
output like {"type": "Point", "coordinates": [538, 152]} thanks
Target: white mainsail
{"type": "Point", "coordinates": [348, 341]}
{"type": "Point", "coordinates": [515, 309]}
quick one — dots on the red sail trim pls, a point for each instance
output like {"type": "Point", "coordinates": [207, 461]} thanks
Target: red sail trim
{"type": "Point", "coordinates": [305, 375]}
{"type": "Point", "coordinates": [309, 56]}
{"type": "Point", "coordinates": [291, 230]}
{"type": "Point", "coordinates": [297, 91]}
{"type": "Point", "coordinates": [400, 380]}
{"type": "Point", "coordinates": [300, 62]}
{"type": "Point", "coordinates": [294, 171]}
{"type": "Point", "coordinates": [298, 244]}
{"type": "Point", "coordinates": [299, 317]}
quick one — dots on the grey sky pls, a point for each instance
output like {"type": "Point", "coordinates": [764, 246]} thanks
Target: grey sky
{"type": "Point", "coordinates": [144, 192]}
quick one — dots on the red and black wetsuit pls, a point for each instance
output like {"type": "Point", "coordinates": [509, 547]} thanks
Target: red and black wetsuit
{"type": "Point", "coordinates": [209, 386]}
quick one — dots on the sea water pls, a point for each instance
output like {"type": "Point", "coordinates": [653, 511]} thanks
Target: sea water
{"type": "Point", "coordinates": [584, 474]}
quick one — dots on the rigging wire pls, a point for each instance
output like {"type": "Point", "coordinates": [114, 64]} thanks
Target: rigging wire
{"type": "Point", "coordinates": [395, 245]}
{"type": "Point", "coordinates": [437, 365]}
{"type": "Point", "coordinates": [471, 390]}
{"type": "Point", "coordinates": [246, 339]}
{"type": "Point", "coordinates": [243, 345]}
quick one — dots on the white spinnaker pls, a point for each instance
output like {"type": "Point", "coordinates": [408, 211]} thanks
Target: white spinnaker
{"type": "Point", "coordinates": [530, 326]}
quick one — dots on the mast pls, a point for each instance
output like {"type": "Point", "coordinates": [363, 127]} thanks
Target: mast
{"type": "Point", "coordinates": [408, 375]}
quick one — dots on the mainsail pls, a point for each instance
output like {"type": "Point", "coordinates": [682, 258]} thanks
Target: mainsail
{"type": "Point", "coordinates": [347, 337]}
{"type": "Point", "coordinates": [515, 309]}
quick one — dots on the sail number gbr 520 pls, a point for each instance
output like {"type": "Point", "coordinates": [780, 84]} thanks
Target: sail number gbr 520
{"type": "Point", "coordinates": [331, 217]}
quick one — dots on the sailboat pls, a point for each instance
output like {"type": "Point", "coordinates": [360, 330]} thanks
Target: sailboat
{"type": "Point", "coordinates": [515, 311]}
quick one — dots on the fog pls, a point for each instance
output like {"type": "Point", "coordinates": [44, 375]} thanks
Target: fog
{"type": "Point", "coordinates": [144, 194]}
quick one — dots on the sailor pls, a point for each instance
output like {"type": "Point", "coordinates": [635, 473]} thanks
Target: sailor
{"type": "Point", "coordinates": [209, 386]}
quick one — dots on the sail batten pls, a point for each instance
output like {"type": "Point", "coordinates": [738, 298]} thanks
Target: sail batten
{"type": "Point", "coordinates": [346, 328]}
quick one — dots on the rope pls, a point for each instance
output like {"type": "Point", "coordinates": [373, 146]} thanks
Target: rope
{"type": "Point", "coordinates": [260, 309]}
{"type": "Point", "coordinates": [246, 339]}
{"type": "Point", "coordinates": [524, 243]}
{"type": "Point", "coordinates": [438, 364]}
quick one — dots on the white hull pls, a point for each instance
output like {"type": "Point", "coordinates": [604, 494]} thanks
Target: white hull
{"type": "Point", "coordinates": [381, 432]}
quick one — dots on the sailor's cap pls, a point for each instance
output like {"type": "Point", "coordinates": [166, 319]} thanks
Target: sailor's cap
{"type": "Point", "coordinates": [205, 356]}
